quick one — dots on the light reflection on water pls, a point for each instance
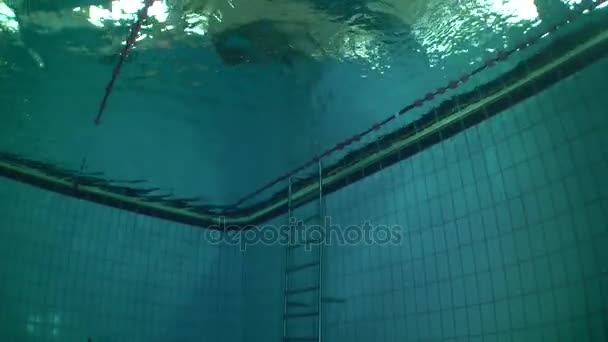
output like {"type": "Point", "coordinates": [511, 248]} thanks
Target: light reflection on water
{"type": "Point", "coordinates": [456, 28]}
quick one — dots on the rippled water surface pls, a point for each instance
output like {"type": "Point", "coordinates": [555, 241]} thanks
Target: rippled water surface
{"type": "Point", "coordinates": [351, 30]}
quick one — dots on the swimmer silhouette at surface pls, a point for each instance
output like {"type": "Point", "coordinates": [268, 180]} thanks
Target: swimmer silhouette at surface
{"type": "Point", "coordinates": [259, 31]}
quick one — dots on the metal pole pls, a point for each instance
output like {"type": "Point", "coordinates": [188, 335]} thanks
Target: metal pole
{"type": "Point", "coordinates": [322, 225]}
{"type": "Point", "coordinates": [289, 212]}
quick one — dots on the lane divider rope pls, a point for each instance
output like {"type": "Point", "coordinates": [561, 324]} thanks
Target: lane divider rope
{"type": "Point", "coordinates": [130, 42]}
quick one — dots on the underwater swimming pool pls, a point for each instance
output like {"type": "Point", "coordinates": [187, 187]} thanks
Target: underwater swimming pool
{"type": "Point", "coordinates": [495, 188]}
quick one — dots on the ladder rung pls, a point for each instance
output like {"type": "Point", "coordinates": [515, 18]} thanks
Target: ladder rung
{"type": "Point", "coordinates": [302, 244]}
{"type": "Point", "coordinates": [303, 314]}
{"type": "Point", "coordinates": [298, 304]}
{"type": "Point", "coordinates": [302, 267]}
{"type": "Point", "coordinates": [302, 290]}
{"type": "Point", "coordinates": [300, 339]}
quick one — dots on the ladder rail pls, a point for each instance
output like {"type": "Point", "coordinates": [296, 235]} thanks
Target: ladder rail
{"type": "Point", "coordinates": [288, 292]}
{"type": "Point", "coordinates": [286, 275]}
{"type": "Point", "coordinates": [320, 269]}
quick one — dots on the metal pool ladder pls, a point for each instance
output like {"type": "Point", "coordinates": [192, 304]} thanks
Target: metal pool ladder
{"type": "Point", "coordinates": [302, 310]}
